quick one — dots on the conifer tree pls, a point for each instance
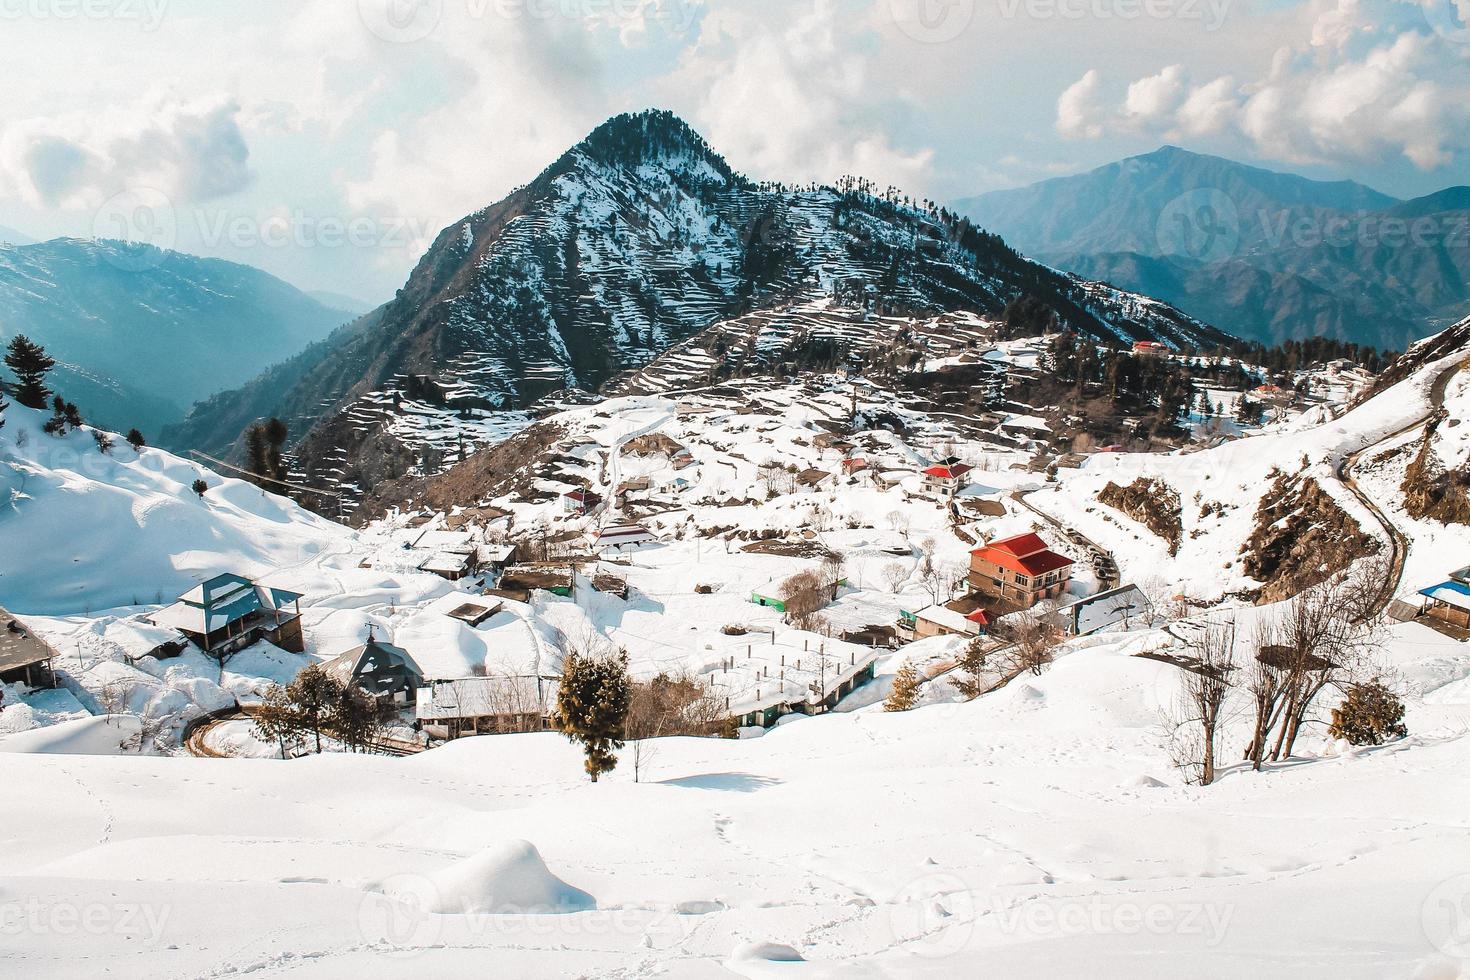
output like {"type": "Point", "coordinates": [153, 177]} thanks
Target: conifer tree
{"type": "Point", "coordinates": [29, 362]}
{"type": "Point", "coordinates": [592, 706]}
{"type": "Point", "coordinates": [135, 439]}
{"type": "Point", "coordinates": [905, 693]}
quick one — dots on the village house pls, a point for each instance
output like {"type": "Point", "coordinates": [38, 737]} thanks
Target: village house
{"type": "Point", "coordinates": [1449, 601]}
{"type": "Point", "coordinates": [380, 669]}
{"type": "Point", "coordinates": [1149, 347]}
{"type": "Point", "coordinates": [1020, 570]}
{"type": "Point", "coordinates": [942, 621]}
{"type": "Point", "coordinates": [759, 683]}
{"type": "Point", "coordinates": [946, 477]}
{"type": "Point", "coordinates": [25, 658]}
{"type": "Point", "coordinates": [468, 706]}
{"type": "Point", "coordinates": [230, 612]}
{"type": "Point", "coordinates": [812, 478]}
{"type": "Point", "coordinates": [452, 555]}
{"type": "Point", "coordinates": [854, 464]}
{"type": "Point", "coordinates": [579, 502]}
{"type": "Point", "coordinates": [619, 538]}
{"type": "Point", "coordinates": [1121, 606]}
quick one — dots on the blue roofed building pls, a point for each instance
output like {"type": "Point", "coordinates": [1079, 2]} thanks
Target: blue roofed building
{"type": "Point", "coordinates": [230, 612]}
{"type": "Point", "coordinates": [1449, 601]}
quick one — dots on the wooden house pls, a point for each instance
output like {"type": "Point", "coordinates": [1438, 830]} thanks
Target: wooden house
{"type": "Point", "coordinates": [619, 538]}
{"type": "Point", "coordinates": [25, 658]}
{"type": "Point", "coordinates": [453, 709]}
{"type": "Point", "coordinates": [1021, 570]}
{"type": "Point", "coordinates": [380, 669]}
{"type": "Point", "coordinates": [230, 612]}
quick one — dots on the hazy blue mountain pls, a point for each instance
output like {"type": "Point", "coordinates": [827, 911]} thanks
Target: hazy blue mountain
{"type": "Point", "coordinates": [147, 332]}
{"type": "Point", "coordinates": [1264, 255]}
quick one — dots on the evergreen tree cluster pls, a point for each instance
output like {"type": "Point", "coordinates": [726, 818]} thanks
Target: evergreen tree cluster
{"type": "Point", "coordinates": [264, 442]}
{"type": "Point", "coordinates": [318, 704]}
{"type": "Point", "coordinates": [1130, 381]}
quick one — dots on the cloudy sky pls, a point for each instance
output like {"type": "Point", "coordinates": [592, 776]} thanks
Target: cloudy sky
{"type": "Point", "coordinates": [327, 141]}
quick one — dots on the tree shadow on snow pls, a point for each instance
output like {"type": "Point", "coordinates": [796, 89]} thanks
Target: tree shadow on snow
{"type": "Point", "coordinates": [725, 782]}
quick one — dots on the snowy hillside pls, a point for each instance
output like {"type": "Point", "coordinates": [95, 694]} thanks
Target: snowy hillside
{"type": "Point", "coordinates": [634, 240]}
{"type": "Point", "coordinates": [1045, 828]}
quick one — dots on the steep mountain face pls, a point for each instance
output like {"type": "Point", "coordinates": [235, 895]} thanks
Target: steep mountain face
{"type": "Point", "coordinates": [144, 332]}
{"type": "Point", "coordinates": [637, 238]}
{"type": "Point", "coordinates": [1267, 256]}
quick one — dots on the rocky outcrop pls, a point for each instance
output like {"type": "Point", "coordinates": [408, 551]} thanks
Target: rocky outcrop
{"type": "Point", "coordinates": [1302, 537]}
{"type": "Point", "coordinates": [1152, 503]}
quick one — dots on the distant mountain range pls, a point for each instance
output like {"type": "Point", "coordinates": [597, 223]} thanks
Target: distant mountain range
{"type": "Point", "coordinates": [142, 333]}
{"type": "Point", "coordinates": [635, 239]}
{"type": "Point", "coordinates": [1263, 255]}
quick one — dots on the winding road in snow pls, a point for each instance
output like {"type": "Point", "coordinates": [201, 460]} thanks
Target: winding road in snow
{"type": "Point", "coordinates": [1398, 540]}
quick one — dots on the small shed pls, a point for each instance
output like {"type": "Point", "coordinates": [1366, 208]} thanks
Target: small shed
{"type": "Point", "coordinates": [1448, 602]}
{"type": "Point", "coordinates": [25, 658]}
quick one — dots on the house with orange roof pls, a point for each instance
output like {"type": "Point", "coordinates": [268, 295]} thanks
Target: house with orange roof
{"type": "Point", "coordinates": [1021, 570]}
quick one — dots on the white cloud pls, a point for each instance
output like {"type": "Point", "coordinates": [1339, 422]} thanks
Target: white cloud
{"type": "Point", "coordinates": [1082, 110]}
{"type": "Point", "coordinates": [1354, 91]}
{"type": "Point", "coordinates": [1157, 96]}
{"type": "Point", "coordinates": [787, 94]}
{"type": "Point", "coordinates": [190, 150]}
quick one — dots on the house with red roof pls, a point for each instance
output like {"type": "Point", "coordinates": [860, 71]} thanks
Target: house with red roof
{"type": "Point", "coordinates": [1022, 570]}
{"type": "Point", "coordinates": [946, 477]}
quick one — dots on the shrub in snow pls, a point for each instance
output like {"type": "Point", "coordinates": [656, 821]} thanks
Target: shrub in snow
{"type": "Point", "coordinates": [1371, 714]}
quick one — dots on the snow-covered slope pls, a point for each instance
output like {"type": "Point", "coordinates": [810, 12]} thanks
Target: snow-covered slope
{"type": "Point", "coordinates": [87, 530]}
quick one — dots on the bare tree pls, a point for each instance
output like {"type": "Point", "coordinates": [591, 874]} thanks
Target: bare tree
{"type": "Point", "coordinates": [834, 569]}
{"type": "Point", "coordinates": [1207, 680]}
{"type": "Point", "coordinates": [804, 595]}
{"type": "Point", "coordinates": [895, 574]}
{"type": "Point", "coordinates": [1033, 637]}
{"type": "Point", "coordinates": [667, 706]}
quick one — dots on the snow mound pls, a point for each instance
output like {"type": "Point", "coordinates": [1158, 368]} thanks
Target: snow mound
{"type": "Point", "coordinates": [85, 736]}
{"type": "Point", "coordinates": [508, 879]}
{"type": "Point", "coordinates": [765, 953]}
